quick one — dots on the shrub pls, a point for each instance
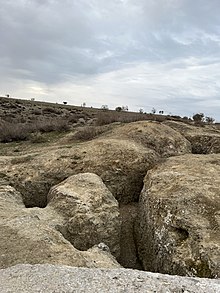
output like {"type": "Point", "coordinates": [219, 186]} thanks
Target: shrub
{"type": "Point", "coordinates": [37, 137]}
{"type": "Point", "coordinates": [88, 133]}
{"type": "Point", "coordinates": [21, 131]}
{"type": "Point", "coordinates": [198, 118]}
{"type": "Point", "coordinates": [14, 131]}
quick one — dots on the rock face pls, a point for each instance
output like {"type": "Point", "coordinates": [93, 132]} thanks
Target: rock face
{"type": "Point", "coordinates": [204, 140]}
{"type": "Point", "coordinates": [31, 236]}
{"type": "Point", "coordinates": [180, 217]}
{"type": "Point", "coordinates": [122, 165]}
{"type": "Point", "coordinates": [121, 158]}
{"type": "Point", "coordinates": [56, 279]}
{"type": "Point", "coordinates": [90, 212]}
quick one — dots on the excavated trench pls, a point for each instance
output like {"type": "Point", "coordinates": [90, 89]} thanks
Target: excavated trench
{"type": "Point", "coordinates": [35, 195]}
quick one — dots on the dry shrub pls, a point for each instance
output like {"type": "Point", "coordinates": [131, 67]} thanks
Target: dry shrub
{"type": "Point", "coordinates": [49, 125]}
{"type": "Point", "coordinates": [14, 131]}
{"type": "Point", "coordinates": [21, 131]}
{"type": "Point", "coordinates": [87, 133]}
{"type": "Point", "coordinates": [37, 137]}
{"type": "Point", "coordinates": [48, 110]}
{"type": "Point", "coordinates": [108, 117]}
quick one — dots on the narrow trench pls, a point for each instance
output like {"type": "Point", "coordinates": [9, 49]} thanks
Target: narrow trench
{"type": "Point", "coordinates": [128, 244]}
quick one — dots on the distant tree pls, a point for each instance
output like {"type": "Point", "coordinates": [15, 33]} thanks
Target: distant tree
{"type": "Point", "coordinates": [161, 112]}
{"type": "Point", "coordinates": [209, 120]}
{"type": "Point", "coordinates": [7, 95]}
{"type": "Point", "coordinates": [141, 111]}
{"type": "Point", "coordinates": [83, 104]}
{"type": "Point", "coordinates": [65, 103]}
{"type": "Point", "coordinates": [153, 111]}
{"type": "Point", "coordinates": [124, 108]}
{"type": "Point", "coordinates": [198, 118]}
{"type": "Point", "coordinates": [104, 107]}
{"type": "Point", "coordinates": [118, 109]}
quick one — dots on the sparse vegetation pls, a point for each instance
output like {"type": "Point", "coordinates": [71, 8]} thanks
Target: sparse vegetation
{"type": "Point", "coordinates": [198, 118]}
{"type": "Point", "coordinates": [88, 132]}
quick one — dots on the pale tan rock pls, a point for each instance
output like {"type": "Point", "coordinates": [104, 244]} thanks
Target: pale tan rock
{"type": "Point", "coordinates": [56, 279]}
{"type": "Point", "coordinates": [179, 217]}
{"type": "Point", "coordinates": [91, 213]}
{"type": "Point", "coordinates": [122, 165]}
{"type": "Point", "coordinates": [154, 135]}
{"type": "Point", "coordinates": [204, 140]}
{"type": "Point", "coordinates": [30, 236]}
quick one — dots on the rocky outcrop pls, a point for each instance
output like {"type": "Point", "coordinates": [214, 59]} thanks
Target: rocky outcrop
{"type": "Point", "coordinates": [89, 210]}
{"type": "Point", "coordinates": [204, 140]}
{"type": "Point", "coordinates": [122, 165]}
{"type": "Point", "coordinates": [55, 279]}
{"type": "Point", "coordinates": [156, 136]}
{"type": "Point", "coordinates": [179, 229]}
{"type": "Point", "coordinates": [32, 236]}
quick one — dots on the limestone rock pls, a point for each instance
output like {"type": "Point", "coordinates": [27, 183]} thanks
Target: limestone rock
{"type": "Point", "coordinates": [161, 138]}
{"type": "Point", "coordinates": [180, 217]}
{"type": "Point", "coordinates": [90, 211]}
{"type": "Point", "coordinates": [122, 165]}
{"type": "Point", "coordinates": [56, 279]}
{"type": "Point", "coordinates": [30, 236]}
{"type": "Point", "coordinates": [204, 140]}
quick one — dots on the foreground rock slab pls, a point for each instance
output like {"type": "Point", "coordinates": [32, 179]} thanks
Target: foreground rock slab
{"type": "Point", "coordinates": [180, 217]}
{"type": "Point", "coordinates": [31, 236]}
{"type": "Point", "coordinates": [56, 279]}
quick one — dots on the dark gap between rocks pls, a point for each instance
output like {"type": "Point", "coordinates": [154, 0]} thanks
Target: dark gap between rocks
{"type": "Point", "coordinates": [128, 242]}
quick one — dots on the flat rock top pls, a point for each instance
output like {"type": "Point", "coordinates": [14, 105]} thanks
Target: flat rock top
{"type": "Point", "coordinates": [57, 279]}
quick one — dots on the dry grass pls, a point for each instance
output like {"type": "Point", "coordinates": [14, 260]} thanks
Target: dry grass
{"type": "Point", "coordinates": [22, 131]}
{"type": "Point", "coordinates": [88, 133]}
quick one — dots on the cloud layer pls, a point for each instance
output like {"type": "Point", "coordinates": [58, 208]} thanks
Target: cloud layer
{"type": "Point", "coordinates": [163, 54]}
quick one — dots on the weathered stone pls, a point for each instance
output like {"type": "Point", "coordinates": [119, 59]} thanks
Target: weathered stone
{"type": "Point", "coordinates": [56, 279]}
{"type": "Point", "coordinates": [90, 211]}
{"type": "Point", "coordinates": [180, 217]}
{"type": "Point", "coordinates": [204, 140]}
{"type": "Point", "coordinates": [30, 236]}
{"type": "Point", "coordinates": [161, 138]}
{"type": "Point", "coordinates": [122, 165]}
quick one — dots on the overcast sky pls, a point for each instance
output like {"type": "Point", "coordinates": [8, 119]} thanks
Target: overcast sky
{"type": "Point", "coordinates": [141, 53]}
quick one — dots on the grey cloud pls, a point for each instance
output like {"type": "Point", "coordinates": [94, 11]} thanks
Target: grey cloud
{"type": "Point", "coordinates": [98, 45]}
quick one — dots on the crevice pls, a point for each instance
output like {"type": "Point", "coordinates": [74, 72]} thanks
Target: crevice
{"type": "Point", "coordinates": [128, 241]}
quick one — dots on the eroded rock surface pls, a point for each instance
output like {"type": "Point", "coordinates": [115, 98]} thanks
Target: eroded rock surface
{"type": "Point", "coordinates": [30, 236]}
{"type": "Point", "coordinates": [122, 165]}
{"type": "Point", "coordinates": [161, 138]}
{"type": "Point", "coordinates": [204, 140]}
{"type": "Point", "coordinates": [180, 217]}
{"type": "Point", "coordinates": [90, 212]}
{"type": "Point", "coordinates": [56, 279]}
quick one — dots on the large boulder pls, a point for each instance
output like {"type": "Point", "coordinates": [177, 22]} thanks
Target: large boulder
{"type": "Point", "coordinates": [179, 211]}
{"type": "Point", "coordinates": [204, 140]}
{"type": "Point", "coordinates": [55, 279]}
{"type": "Point", "coordinates": [31, 236]}
{"type": "Point", "coordinates": [90, 212]}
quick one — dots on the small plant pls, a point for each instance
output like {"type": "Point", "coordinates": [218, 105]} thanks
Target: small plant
{"type": "Point", "coordinates": [37, 137]}
{"type": "Point", "coordinates": [104, 107]}
{"type": "Point", "coordinates": [88, 133]}
{"type": "Point", "coordinates": [153, 111]}
{"type": "Point", "coordinates": [209, 120]}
